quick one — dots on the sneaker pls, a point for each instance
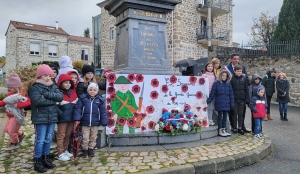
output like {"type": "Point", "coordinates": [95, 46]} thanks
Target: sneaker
{"type": "Point", "coordinates": [13, 146]}
{"type": "Point", "coordinates": [261, 135]}
{"type": "Point", "coordinates": [240, 131]}
{"type": "Point", "coordinates": [235, 131]}
{"type": "Point", "coordinates": [21, 137]}
{"type": "Point", "coordinates": [211, 123]}
{"type": "Point", "coordinates": [257, 136]}
{"type": "Point", "coordinates": [67, 153]}
{"type": "Point", "coordinates": [84, 153]}
{"type": "Point", "coordinates": [63, 157]}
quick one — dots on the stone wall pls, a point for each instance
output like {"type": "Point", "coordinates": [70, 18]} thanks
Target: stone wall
{"type": "Point", "coordinates": [288, 65]}
{"type": "Point", "coordinates": [11, 48]}
{"type": "Point", "coordinates": [75, 48]}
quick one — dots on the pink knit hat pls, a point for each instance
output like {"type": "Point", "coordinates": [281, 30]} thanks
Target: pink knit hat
{"type": "Point", "coordinates": [14, 81]}
{"type": "Point", "coordinates": [43, 70]}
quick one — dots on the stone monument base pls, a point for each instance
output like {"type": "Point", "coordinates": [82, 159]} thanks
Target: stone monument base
{"type": "Point", "coordinates": [147, 71]}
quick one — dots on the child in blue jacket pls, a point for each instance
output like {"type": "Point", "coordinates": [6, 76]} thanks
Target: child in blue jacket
{"type": "Point", "coordinates": [90, 112]}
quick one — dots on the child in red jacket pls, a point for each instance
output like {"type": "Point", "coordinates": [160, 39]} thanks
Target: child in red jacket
{"type": "Point", "coordinates": [12, 126]}
{"type": "Point", "coordinates": [258, 107]}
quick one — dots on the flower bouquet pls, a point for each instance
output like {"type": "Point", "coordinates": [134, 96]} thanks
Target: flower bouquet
{"type": "Point", "coordinates": [178, 121]}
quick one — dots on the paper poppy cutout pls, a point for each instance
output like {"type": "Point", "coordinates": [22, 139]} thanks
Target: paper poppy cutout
{"type": "Point", "coordinates": [172, 116]}
{"type": "Point", "coordinates": [131, 77]}
{"type": "Point", "coordinates": [187, 107]}
{"type": "Point", "coordinates": [115, 130]}
{"type": "Point", "coordinates": [193, 79]}
{"type": "Point", "coordinates": [173, 99]}
{"type": "Point", "coordinates": [199, 95]}
{"type": "Point", "coordinates": [204, 123]}
{"type": "Point", "coordinates": [136, 89]}
{"type": "Point", "coordinates": [108, 107]}
{"type": "Point", "coordinates": [111, 90]}
{"type": "Point", "coordinates": [109, 114]}
{"type": "Point", "coordinates": [121, 121]}
{"type": "Point", "coordinates": [154, 83]}
{"type": "Point", "coordinates": [201, 81]}
{"type": "Point", "coordinates": [198, 108]}
{"type": "Point", "coordinates": [164, 88]}
{"type": "Point", "coordinates": [111, 77]}
{"type": "Point", "coordinates": [173, 79]}
{"type": "Point", "coordinates": [139, 78]}
{"type": "Point", "coordinates": [143, 128]}
{"type": "Point", "coordinates": [131, 122]}
{"type": "Point", "coordinates": [111, 84]}
{"type": "Point", "coordinates": [154, 95]}
{"type": "Point", "coordinates": [168, 127]}
{"type": "Point", "coordinates": [151, 125]}
{"type": "Point", "coordinates": [164, 110]}
{"type": "Point", "coordinates": [195, 115]}
{"type": "Point", "coordinates": [110, 122]}
{"type": "Point", "coordinates": [184, 88]}
{"type": "Point", "coordinates": [144, 115]}
{"type": "Point", "coordinates": [112, 97]}
{"type": "Point", "coordinates": [204, 109]}
{"type": "Point", "coordinates": [150, 109]}
{"type": "Point", "coordinates": [108, 100]}
{"type": "Point", "coordinates": [189, 116]}
{"type": "Point", "coordinates": [200, 122]}
{"type": "Point", "coordinates": [181, 116]}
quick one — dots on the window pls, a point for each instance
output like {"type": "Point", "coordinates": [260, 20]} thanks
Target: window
{"type": "Point", "coordinates": [52, 49]}
{"type": "Point", "coordinates": [35, 49]}
{"type": "Point", "coordinates": [85, 54]}
{"type": "Point", "coordinates": [112, 33]}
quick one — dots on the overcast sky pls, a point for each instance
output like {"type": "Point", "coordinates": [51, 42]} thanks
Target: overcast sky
{"type": "Point", "coordinates": [76, 15]}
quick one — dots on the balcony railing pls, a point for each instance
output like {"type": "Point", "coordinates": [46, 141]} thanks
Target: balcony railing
{"type": "Point", "coordinates": [218, 7]}
{"type": "Point", "coordinates": [213, 33]}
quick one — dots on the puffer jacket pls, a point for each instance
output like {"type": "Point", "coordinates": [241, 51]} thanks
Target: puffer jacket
{"type": "Point", "coordinates": [283, 85]}
{"type": "Point", "coordinates": [211, 78]}
{"type": "Point", "coordinates": [223, 94]}
{"type": "Point", "coordinates": [43, 96]}
{"type": "Point", "coordinates": [90, 111]}
{"type": "Point", "coordinates": [253, 86]}
{"type": "Point", "coordinates": [258, 104]}
{"type": "Point", "coordinates": [240, 88]}
{"type": "Point", "coordinates": [269, 83]}
{"type": "Point", "coordinates": [66, 107]}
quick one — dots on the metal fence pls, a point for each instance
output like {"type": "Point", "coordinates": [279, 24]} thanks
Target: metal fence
{"type": "Point", "coordinates": [285, 48]}
{"type": "Point", "coordinates": [212, 33]}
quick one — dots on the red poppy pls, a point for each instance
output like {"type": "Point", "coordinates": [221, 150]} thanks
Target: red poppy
{"type": "Point", "coordinates": [150, 109]}
{"type": "Point", "coordinates": [184, 121]}
{"type": "Point", "coordinates": [195, 115]}
{"type": "Point", "coordinates": [151, 125]}
{"type": "Point", "coordinates": [172, 116]}
{"type": "Point", "coordinates": [112, 97]}
{"type": "Point", "coordinates": [187, 107]}
{"type": "Point", "coordinates": [111, 84]}
{"type": "Point", "coordinates": [154, 95]}
{"type": "Point", "coordinates": [168, 127]}
{"type": "Point", "coordinates": [143, 128]}
{"type": "Point", "coordinates": [108, 107]}
{"type": "Point", "coordinates": [135, 114]}
{"type": "Point", "coordinates": [136, 89]}
{"type": "Point", "coordinates": [164, 88]}
{"type": "Point", "coordinates": [199, 95]}
{"type": "Point", "coordinates": [184, 88]}
{"type": "Point", "coordinates": [139, 78]}
{"type": "Point", "coordinates": [173, 79]}
{"type": "Point", "coordinates": [109, 114]}
{"type": "Point", "coordinates": [200, 122]}
{"type": "Point", "coordinates": [131, 122]}
{"type": "Point", "coordinates": [164, 110]}
{"type": "Point", "coordinates": [201, 81]}
{"type": "Point", "coordinates": [110, 122]}
{"type": "Point", "coordinates": [121, 121]}
{"type": "Point", "coordinates": [181, 116]}
{"type": "Point", "coordinates": [144, 115]}
{"type": "Point", "coordinates": [111, 90]}
{"type": "Point", "coordinates": [172, 111]}
{"type": "Point", "coordinates": [189, 116]}
{"type": "Point", "coordinates": [196, 124]}
{"type": "Point", "coordinates": [115, 130]}
{"type": "Point", "coordinates": [193, 79]}
{"type": "Point", "coordinates": [204, 109]}
{"type": "Point", "coordinates": [131, 77]}
{"type": "Point", "coordinates": [173, 99]}
{"type": "Point", "coordinates": [160, 119]}
{"type": "Point", "coordinates": [108, 100]}
{"type": "Point", "coordinates": [111, 77]}
{"type": "Point", "coordinates": [204, 122]}
{"type": "Point", "coordinates": [198, 108]}
{"type": "Point", "coordinates": [154, 83]}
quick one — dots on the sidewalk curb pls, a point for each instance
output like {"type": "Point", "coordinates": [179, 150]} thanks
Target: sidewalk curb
{"type": "Point", "coordinates": [220, 164]}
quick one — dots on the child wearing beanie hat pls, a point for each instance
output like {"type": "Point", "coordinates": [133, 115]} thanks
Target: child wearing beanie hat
{"type": "Point", "coordinates": [88, 75]}
{"type": "Point", "coordinates": [91, 117]}
{"type": "Point", "coordinates": [44, 115]}
{"type": "Point", "coordinates": [15, 103]}
{"type": "Point", "coordinates": [54, 72]}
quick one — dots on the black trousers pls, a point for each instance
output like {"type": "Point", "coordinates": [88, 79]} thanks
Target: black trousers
{"type": "Point", "coordinates": [238, 117]}
{"type": "Point", "coordinates": [268, 103]}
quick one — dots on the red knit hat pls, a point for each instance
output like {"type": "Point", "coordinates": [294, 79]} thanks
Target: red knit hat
{"type": "Point", "coordinates": [14, 81]}
{"type": "Point", "coordinates": [43, 70]}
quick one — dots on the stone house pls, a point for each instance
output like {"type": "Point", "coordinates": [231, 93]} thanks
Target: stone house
{"type": "Point", "coordinates": [28, 43]}
{"type": "Point", "coordinates": [193, 28]}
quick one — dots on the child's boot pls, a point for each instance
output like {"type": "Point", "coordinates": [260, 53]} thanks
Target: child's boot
{"type": "Point", "coordinates": [269, 117]}
{"type": "Point", "coordinates": [84, 153]}
{"type": "Point", "coordinates": [91, 153]}
{"type": "Point", "coordinates": [47, 163]}
{"type": "Point", "coordinates": [38, 166]}
{"type": "Point", "coordinates": [221, 133]}
{"type": "Point", "coordinates": [281, 117]}
{"type": "Point", "coordinates": [225, 132]}
{"type": "Point", "coordinates": [285, 118]}
{"type": "Point", "coordinates": [265, 118]}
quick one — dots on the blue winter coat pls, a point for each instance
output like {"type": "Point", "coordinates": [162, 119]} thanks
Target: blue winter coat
{"type": "Point", "coordinates": [223, 94]}
{"type": "Point", "coordinates": [90, 111]}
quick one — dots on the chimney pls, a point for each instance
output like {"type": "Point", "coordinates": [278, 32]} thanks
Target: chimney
{"type": "Point", "coordinates": [56, 25]}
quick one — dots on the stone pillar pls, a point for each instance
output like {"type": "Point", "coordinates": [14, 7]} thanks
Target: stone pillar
{"type": "Point", "coordinates": [141, 39]}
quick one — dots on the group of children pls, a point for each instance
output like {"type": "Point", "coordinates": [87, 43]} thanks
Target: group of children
{"type": "Point", "coordinates": [71, 101]}
{"type": "Point", "coordinates": [231, 92]}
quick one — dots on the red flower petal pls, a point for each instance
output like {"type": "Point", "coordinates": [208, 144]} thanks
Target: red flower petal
{"type": "Point", "coordinates": [108, 100]}
{"type": "Point", "coordinates": [164, 110]}
{"type": "Point", "coordinates": [184, 88]}
{"type": "Point", "coordinates": [198, 108]}
{"type": "Point", "coordinates": [136, 89]}
{"type": "Point", "coordinates": [165, 88]}
{"type": "Point", "coordinates": [131, 122]}
{"type": "Point", "coordinates": [173, 79]}
{"type": "Point", "coordinates": [187, 107]}
{"type": "Point", "coordinates": [110, 122]}
{"type": "Point", "coordinates": [108, 107]}
{"type": "Point", "coordinates": [111, 84]}
{"type": "Point", "coordinates": [112, 97]}
{"type": "Point", "coordinates": [150, 109]}
{"type": "Point", "coordinates": [109, 114]}
{"type": "Point", "coordinates": [131, 77]}
{"type": "Point", "coordinates": [204, 123]}
{"type": "Point", "coordinates": [168, 127]}
{"type": "Point", "coordinates": [154, 95]}
{"type": "Point", "coordinates": [173, 99]}
{"type": "Point", "coordinates": [111, 77]}
{"type": "Point", "coordinates": [121, 121]}
{"type": "Point", "coordinates": [154, 83]}
{"type": "Point", "coordinates": [139, 78]}
{"type": "Point", "coordinates": [151, 125]}
{"type": "Point", "coordinates": [193, 79]}
{"type": "Point", "coordinates": [115, 130]}
{"type": "Point", "coordinates": [201, 81]}
{"type": "Point", "coordinates": [204, 109]}
{"type": "Point", "coordinates": [111, 90]}
{"type": "Point", "coordinates": [144, 115]}
{"type": "Point", "coordinates": [199, 95]}
{"type": "Point", "coordinates": [143, 128]}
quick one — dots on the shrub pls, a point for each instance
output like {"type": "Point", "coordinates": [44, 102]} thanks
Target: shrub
{"type": "Point", "coordinates": [77, 64]}
{"type": "Point", "coordinates": [2, 96]}
{"type": "Point", "coordinates": [47, 62]}
{"type": "Point", "coordinates": [25, 72]}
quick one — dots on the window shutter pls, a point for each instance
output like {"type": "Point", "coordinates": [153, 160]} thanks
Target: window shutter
{"type": "Point", "coordinates": [34, 47]}
{"type": "Point", "coordinates": [52, 49]}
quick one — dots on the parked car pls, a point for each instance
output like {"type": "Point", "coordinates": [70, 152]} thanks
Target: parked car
{"type": "Point", "coordinates": [101, 71]}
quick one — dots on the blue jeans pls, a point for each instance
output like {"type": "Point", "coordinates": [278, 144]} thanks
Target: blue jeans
{"type": "Point", "coordinates": [258, 125]}
{"type": "Point", "coordinates": [283, 108]}
{"type": "Point", "coordinates": [43, 139]}
{"type": "Point", "coordinates": [222, 119]}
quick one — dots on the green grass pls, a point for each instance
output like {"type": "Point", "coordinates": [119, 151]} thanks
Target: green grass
{"type": "Point", "coordinates": [7, 163]}
{"type": "Point", "coordinates": [103, 160]}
